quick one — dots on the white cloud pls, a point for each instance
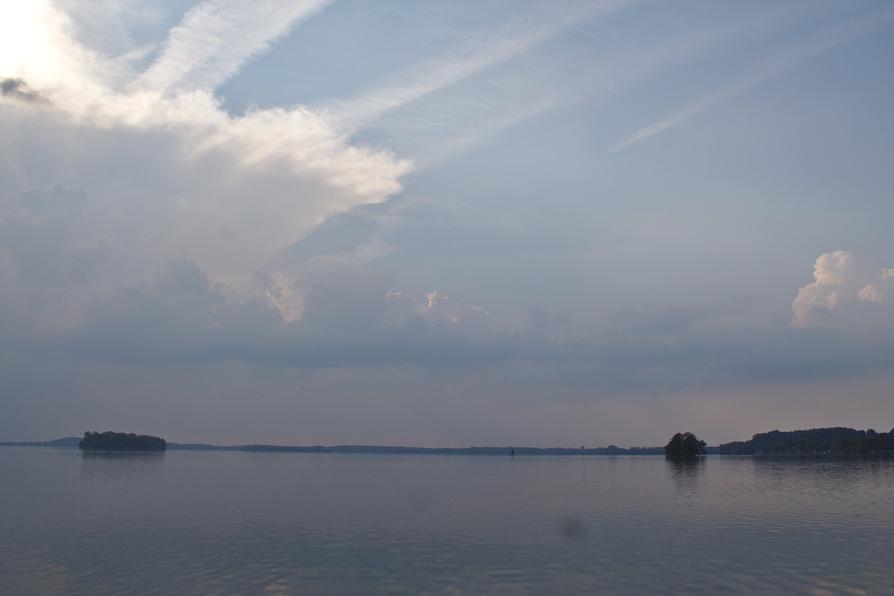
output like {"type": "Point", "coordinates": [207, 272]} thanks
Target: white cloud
{"type": "Point", "coordinates": [831, 271]}
{"type": "Point", "coordinates": [435, 308]}
{"type": "Point", "coordinates": [840, 295]}
{"type": "Point", "coordinates": [877, 291]}
{"type": "Point", "coordinates": [217, 37]}
{"type": "Point", "coordinates": [169, 175]}
{"type": "Point", "coordinates": [112, 28]}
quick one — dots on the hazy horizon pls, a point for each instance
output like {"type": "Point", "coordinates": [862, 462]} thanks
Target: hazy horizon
{"type": "Point", "coordinates": [428, 223]}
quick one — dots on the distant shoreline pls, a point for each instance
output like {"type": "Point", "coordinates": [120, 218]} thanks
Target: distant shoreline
{"type": "Point", "coordinates": [815, 442]}
{"type": "Point", "coordinates": [72, 442]}
{"type": "Point", "coordinates": [455, 451]}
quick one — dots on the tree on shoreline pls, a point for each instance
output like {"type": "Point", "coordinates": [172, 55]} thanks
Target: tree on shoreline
{"type": "Point", "coordinates": [684, 445]}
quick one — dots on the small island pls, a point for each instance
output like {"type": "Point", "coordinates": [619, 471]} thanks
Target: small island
{"type": "Point", "coordinates": [112, 441]}
{"type": "Point", "coordinates": [684, 445]}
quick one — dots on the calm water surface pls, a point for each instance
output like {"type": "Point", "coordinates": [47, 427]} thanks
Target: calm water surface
{"type": "Point", "coordinates": [268, 523]}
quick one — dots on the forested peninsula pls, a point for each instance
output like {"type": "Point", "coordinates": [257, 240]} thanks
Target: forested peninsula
{"type": "Point", "coordinates": [815, 441]}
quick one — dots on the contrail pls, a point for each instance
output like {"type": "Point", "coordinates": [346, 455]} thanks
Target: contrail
{"type": "Point", "coordinates": [217, 37]}
{"type": "Point", "coordinates": [430, 76]}
{"type": "Point", "coordinates": [817, 43]}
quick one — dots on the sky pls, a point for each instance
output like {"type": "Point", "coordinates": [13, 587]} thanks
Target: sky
{"type": "Point", "coordinates": [432, 223]}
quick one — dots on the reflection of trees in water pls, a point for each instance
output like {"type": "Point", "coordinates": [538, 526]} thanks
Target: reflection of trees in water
{"type": "Point", "coordinates": [121, 465]}
{"type": "Point", "coordinates": [685, 472]}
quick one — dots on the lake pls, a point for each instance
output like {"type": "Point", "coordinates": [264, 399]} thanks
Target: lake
{"type": "Point", "coordinates": [192, 522]}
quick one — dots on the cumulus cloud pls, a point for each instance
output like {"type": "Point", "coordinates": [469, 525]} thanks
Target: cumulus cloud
{"type": "Point", "coordinates": [878, 292]}
{"type": "Point", "coordinates": [438, 309]}
{"type": "Point", "coordinates": [831, 271]}
{"type": "Point", "coordinates": [840, 295]}
{"type": "Point", "coordinates": [162, 170]}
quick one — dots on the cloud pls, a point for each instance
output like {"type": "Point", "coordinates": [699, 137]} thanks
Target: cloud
{"type": "Point", "coordinates": [483, 50]}
{"type": "Point", "coordinates": [18, 89]}
{"type": "Point", "coordinates": [831, 270]}
{"type": "Point", "coordinates": [437, 309]}
{"type": "Point", "coordinates": [161, 176]}
{"type": "Point", "coordinates": [487, 127]}
{"type": "Point", "coordinates": [217, 37]}
{"type": "Point", "coordinates": [821, 41]}
{"type": "Point", "coordinates": [180, 318]}
{"type": "Point", "coordinates": [544, 325]}
{"type": "Point", "coordinates": [456, 121]}
{"type": "Point", "coordinates": [840, 295]}
{"type": "Point", "coordinates": [352, 317]}
{"type": "Point", "coordinates": [356, 318]}
{"type": "Point", "coordinates": [878, 292]}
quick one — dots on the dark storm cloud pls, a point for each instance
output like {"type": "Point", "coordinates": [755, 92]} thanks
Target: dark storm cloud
{"type": "Point", "coordinates": [18, 89]}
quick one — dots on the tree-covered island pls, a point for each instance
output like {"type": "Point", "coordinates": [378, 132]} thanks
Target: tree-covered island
{"type": "Point", "coordinates": [684, 445]}
{"type": "Point", "coordinates": [112, 441]}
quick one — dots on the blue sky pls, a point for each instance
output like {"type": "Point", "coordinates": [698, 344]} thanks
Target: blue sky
{"type": "Point", "coordinates": [445, 223]}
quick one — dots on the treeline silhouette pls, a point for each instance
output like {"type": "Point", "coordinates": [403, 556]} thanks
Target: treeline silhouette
{"type": "Point", "coordinates": [63, 442]}
{"type": "Point", "coordinates": [385, 449]}
{"type": "Point", "coordinates": [380, 449]}
{"type": "Point", "coordinates": [814, 441]}
{"type": "Point", "coordinates": [684, 445]}
{"type": "Point", "coordinates": [112, 441]}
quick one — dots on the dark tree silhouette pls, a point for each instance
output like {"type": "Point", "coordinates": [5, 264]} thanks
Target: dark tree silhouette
{"type": "Point", "coordinates": [684, 445]}
{"type": "Point", "coordinates": [111, 441]}
{"type": "Point", "coordinates": [813, 441]}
